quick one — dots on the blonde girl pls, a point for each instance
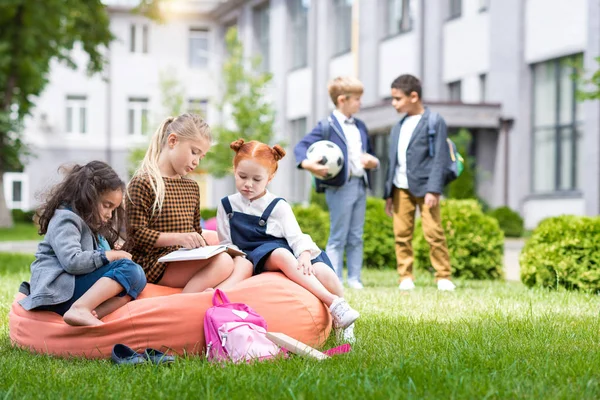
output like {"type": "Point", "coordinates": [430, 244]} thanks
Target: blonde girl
{"type": "Point", "coordinates": [163, 207]}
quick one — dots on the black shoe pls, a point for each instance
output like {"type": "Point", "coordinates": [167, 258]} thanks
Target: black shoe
{"type": "Point", "coordinates": [122, 354]}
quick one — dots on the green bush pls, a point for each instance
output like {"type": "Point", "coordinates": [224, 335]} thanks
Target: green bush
{"type": "Point", "coordinates": [314, 222]}
{"type": "Point", "coordinates": [475, 241]}
{"type": "Point", "coordinates": [208, 213]}
{"type": "Point", "coordinates": [378, 251]}
{"type": "Point", "coordinates": [510, 221]}
{"type": "Point", "coordinates": [563, 252]}
{"type": "Point", "coordinates": [318, 199]}
{"type": "Point", "coordinates": [23, 216]}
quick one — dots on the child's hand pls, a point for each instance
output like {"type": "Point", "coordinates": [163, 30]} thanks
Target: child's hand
{"type": "Point", "coordinates": [316, 168]}
{"type": "Point", "coordinates": [304, 264]}
{"type": "Point", "coordinates": [190, 240]}
{"type": "Point", "coordinates": [114, 255]}
{"type": "Point", "coordinates": [389, 207]}
{"type": "Point", "coordinates": [368, 161]}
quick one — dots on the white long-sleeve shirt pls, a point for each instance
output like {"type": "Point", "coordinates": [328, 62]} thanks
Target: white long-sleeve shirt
{"type": "Point", "coordinates": [406, 131]}
{"type": "Point", "coordinates": [281, 224]}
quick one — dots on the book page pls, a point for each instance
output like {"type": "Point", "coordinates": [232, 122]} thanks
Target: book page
{"type": "Point", "coordinates": [200, 253]}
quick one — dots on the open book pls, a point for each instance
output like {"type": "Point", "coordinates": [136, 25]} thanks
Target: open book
{"type": "Point", "coordinates": [201, 253]}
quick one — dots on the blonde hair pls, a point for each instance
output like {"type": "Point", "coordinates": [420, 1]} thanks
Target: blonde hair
{"type": "Point", "coordinates": [254, 150]}
{"type": "Point", "coordinates": [186, 127]}
{"type": "Point", "coordinates": [344, 86]}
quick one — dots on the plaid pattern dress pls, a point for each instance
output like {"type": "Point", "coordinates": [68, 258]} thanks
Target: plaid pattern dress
{"type": "Point", "coordinates": [180, 213]}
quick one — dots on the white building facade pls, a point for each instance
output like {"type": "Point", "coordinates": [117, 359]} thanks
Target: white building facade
{"type": "Point", "coordinates": [501, 68]}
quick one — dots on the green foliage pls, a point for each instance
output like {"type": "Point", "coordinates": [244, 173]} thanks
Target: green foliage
{"type": "Point", "coordinates": [318, 199]}
{"type": "Point", "coordinates": [563, 252]}
{"type": "Point", "coordinates": [475, 241]}
{"type": "Point", "coordinates": [314, 222]}
{"type": "Point", "coordinates": [33, 34]}
{"type": "Point", "coordinates": [464, 186]}
{"type": "Point", "coordinates": [22, 216]}
{"type": "Point", "coordinates": [245, 111]}
{"type": "Point", "coordinates": [509, 220]}
{"type": "Point", "coordinates": [208, 213]}
{"type": "Point", "coordinates": [378, 236]}
{"type": "Point", "coordinates": [588, 88]}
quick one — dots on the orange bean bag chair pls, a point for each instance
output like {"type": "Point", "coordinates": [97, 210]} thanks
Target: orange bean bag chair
{"type": "Point", "coordinates": [168, 320]}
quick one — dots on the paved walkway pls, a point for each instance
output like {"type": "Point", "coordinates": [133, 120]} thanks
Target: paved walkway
{"type": "Point", "coordinates": [512, 249]}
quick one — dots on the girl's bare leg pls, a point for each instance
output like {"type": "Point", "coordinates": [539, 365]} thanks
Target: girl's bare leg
{"type": "Point", "coordinates": [197, 276]}
{"type": "Point", "coordinates": [242, 269]}
{"type": "Point", "coordinates": [80, 313]}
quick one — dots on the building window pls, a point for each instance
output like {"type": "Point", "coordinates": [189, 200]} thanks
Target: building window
{"type": "Point", "coordinates": [298, 10]}
{"type": "Point", "coordinates": [261, 35]}
{"type": "Point", "coordinates": [132, 38]}
{"type": "Point", "coordinates": [198, 48]}
{"type": "Point", "coordinates": [300, 178]}
{"type": "Point", "coordinates": [454, 91]}
{"type": "Point", "coordinates": [76, 114]}
{"type": "Point", "coordinates": [198, 106]}
{"type": "Point", "coordinates": [399, 18]}
{"type": "Point", "coordinates": [455, 9]}
{"type": "Point", "coordinates": [557, 127]}
{"type": "Point", "coordinates": [482, 88]}
{"type": "Point", "coordinates": [133, 44]}
{"type": "Point", "coordinates": [137, 117]}
{"type": "Point", "coordinates": [343, 26]}
{"type": "Point", "coordinates": [484, 5]}
{"type": "Point", "coordinates": [16, 186]}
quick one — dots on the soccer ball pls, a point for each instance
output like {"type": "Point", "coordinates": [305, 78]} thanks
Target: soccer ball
{"type": "Point", "coordinates": [330, 155]}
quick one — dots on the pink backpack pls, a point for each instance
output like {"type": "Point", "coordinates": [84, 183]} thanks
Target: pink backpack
{"type": "Point", "coordinates": [235, 332]}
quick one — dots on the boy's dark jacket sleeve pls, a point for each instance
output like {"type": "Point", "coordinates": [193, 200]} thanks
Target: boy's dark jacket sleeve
{"type": "Point", "coordinates": [300, 149]}
{"type": "Point", "coordinates": [441, 159]}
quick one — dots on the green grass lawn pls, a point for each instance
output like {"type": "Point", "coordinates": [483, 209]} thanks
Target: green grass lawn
{"type": "Point", "coordinates": [486, 340]}
{"type": "Point", "coordinates": [21, 231]}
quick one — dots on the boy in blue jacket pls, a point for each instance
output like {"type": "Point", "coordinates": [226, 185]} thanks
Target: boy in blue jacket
{"type": "Point", "coordinates": [346, 193]}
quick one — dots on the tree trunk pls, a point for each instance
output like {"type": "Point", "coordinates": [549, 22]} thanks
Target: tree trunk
{"type": "Point", "coordinates": [6, 220]}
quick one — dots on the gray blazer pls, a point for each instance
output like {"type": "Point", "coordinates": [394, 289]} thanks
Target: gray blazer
{"type": "Point", "coordinates": [425, 174]}
{"type": "Point", "coordinates": [68, 249]}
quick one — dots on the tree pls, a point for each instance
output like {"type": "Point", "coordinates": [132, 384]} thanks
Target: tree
{"type": "Point", "coordinates": [245, 111]}
{"type": "Point", "coordinates": [593, 83]}
{"type": "Point", "coordinates": [33, 34]}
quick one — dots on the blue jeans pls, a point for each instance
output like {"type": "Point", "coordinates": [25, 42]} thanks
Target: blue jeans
{"type": "Point", "coordinates": [125, 272]}
{"type": "Point", "coordinates": [347, 208]}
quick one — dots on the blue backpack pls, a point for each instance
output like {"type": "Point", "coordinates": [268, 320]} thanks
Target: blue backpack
{"type": "Point", "coordinates": [457, 163]}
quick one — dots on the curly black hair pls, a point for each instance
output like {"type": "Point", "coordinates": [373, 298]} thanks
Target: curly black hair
{"type": "Point", "coordinates": [80, 191]}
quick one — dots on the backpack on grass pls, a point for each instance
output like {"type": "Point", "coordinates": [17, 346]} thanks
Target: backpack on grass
{"type": "Point", "coordinates": [235, 332]}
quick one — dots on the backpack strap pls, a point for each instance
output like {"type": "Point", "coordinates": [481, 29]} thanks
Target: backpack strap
{"type": "Point", "coordinates": [267, 213]}
{"type": "Point", "coordinates": [431, 123]}
{"type": "Point", "coordinates": [227, 206]}
{"type": "Point", "coordinates": [220, 298]}
{"type": "Point", "coordinates": [325, 128]}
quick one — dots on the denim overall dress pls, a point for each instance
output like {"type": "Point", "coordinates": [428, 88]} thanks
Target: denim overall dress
{"type": "Point", "coordinates": [249, 233]}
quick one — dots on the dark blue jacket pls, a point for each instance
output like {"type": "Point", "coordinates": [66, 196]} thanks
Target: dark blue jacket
{"type": "Point", "coordinates": [425, 174]}
{"type": "Point", "coordinates": [337, 137]}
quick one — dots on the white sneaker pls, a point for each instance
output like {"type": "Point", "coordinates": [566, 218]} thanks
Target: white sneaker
{"type": "Point", "coordinates": [355, 285]}
{"type": "Point", "coordinates": [343, 315]}
{"type": "Point", "coordinates": [407, 284]}
{"type": "Point", "coordinates": [346, 335]}
{"type": "Point", "coordinates": [446, 285]}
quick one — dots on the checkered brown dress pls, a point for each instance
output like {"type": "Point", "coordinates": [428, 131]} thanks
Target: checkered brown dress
{"type": "Point", "coordinates": [180, 213]}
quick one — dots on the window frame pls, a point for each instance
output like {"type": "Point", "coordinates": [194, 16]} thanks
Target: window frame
{"type": "Point", "coordinates": [557, 127]}
{"type": "Point", "coordinates": [455, 8]}
{"type": "Point", "coordinates": [341, 49]}
{"type": "Point", "coordinates": [202, 110]}
{"type": "Point", "coordinates": [199, 33]}
{"type": "Point", "coordinates": [387, 33]}
{"type": "Point", "coordinates": [9, 179]}
{"type": "Point", "coordinates": [139, 106]}
{"type": "Point", "coordinates": [452, 86]}
{"type": "Point", "coordinates": [262, 38]}
{"type": "Point", "coordinates": [298, 16]}
{"type": "Point", "coordinates": [75, 108]}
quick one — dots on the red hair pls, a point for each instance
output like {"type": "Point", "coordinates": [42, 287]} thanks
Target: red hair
{"type": "Point", "coordinates": [259, 152]}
